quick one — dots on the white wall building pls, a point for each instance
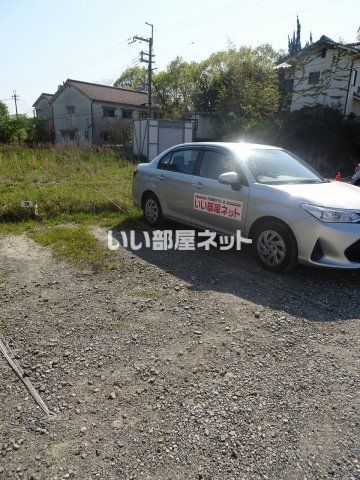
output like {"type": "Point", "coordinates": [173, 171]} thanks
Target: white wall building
{"type": "Point", "coordinates": [326, 73]}
{"type": "Point", "coordinates": [43, 106]}
{"type": "Point", "coordinates": [86, 114]}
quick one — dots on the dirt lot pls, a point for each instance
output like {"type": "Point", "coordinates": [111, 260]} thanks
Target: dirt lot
{"type": "Point", "coordinates": [185, 365]}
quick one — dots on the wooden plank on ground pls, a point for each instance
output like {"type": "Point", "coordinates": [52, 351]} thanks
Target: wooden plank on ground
{"type": "Point", "coordinates": [9, 357]}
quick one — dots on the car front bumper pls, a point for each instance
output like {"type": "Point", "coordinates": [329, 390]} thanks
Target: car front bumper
{"type": "Point", "coordinates": [335, 245]}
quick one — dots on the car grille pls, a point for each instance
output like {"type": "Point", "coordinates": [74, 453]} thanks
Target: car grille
{"type": "Point", "coordinates": [352, 253]}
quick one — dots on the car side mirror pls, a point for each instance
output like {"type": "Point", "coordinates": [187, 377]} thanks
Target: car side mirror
{"type": "Point", "coordinates": [229, 178]}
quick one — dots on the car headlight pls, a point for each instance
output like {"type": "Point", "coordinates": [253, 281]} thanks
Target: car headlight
{"type": "Point", "coordinates": [331, 215]}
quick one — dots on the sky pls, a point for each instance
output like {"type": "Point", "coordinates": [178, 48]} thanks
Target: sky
{"type": "Point", "coordinates": [42, 42]}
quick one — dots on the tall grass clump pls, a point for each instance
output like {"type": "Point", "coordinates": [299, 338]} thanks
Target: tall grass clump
{"type": "Point", "coordinates": [71, 184]}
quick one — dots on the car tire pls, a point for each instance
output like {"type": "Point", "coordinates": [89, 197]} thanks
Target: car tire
{"type": "Point", "coordinates": [274, 246]}
{"type": "Point", "coordinates": [152, 210]}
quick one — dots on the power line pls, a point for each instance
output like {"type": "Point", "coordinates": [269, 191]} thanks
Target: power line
{"type": "Point", "coordinates": [270, 20]}
{"type": "Point", "coordinates": [212, 16]}
{"type": "Point", "coordinates": [25, 107]}
{"type": "Point", "coordinates": [250, 27]}
{"type": "Point", "coordinates": [55, 74]}
{"type": "Point", "coordinates": [183, 24]}
{"type": "Point", "coordinates": [119, 70]}
{"type": "Point", "coordinates": [83, 61]}
{"type": "Point", "coordinates": [255, 6]}
{"type": "Point", "coordinates": [90, 59]}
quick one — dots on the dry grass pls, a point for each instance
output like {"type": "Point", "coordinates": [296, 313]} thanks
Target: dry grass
{"type": "Point", "coordinates": [65, 184]}
{"type": "Point", "coordinates": [73, 187]}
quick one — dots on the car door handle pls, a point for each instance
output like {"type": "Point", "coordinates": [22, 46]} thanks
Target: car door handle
{"type": "Point", "coordinates": [161, 177]}
{"type": "Point", "coordinates": [198, 185]}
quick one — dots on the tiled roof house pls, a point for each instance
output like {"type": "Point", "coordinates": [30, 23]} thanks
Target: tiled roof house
{"type": "Point", "coordinates": [88, 114]}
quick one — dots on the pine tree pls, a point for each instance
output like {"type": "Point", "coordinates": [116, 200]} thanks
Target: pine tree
{"type": "Point", "coordinates": [294, 43]}
{"type": "Point", "coordinates": [310, 41]}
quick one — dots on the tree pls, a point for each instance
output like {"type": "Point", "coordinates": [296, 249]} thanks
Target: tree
{"type": "Point", "coordinates": [18, 127]}
{"type": "Point", "coordinates": [310, 41]}
{"type": "Point", "coordinates": [134, 78]}
{"type": "Point", "coordinates": [4, 123]}
{"type": "Point", "coordinates": [320, 135]}
{"type": "Point", "coordinates": [294, 43]}
{"type": "Point", "coordinates": [39, 130]}
{"type": "Point", "coordinates": [174, 88]}
{"type": "Point", "coordinates": [239, 86]}
{"type": "Point", "coordinates": [4, 111]}
{"type": "Point", "coordinates": [323, 136]}
{"type": "Point", "coordinates": [29, 129]}
{"type": "Point", "coordinates": [358, 35]}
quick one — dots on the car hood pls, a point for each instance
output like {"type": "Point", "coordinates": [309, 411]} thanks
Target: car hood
{"type": "Point", "coordinates": [329, 194]}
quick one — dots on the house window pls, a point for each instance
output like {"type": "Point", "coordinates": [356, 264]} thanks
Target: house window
{"type": "Point", "coordinates": [38, 112]}
{"type": "Point", "coordinates": [323, 53]}
{"type": "Point", "coordinates": [314, 77]}
{"type": "Point", "coordinates": [106, 136]}
{"type": "Point", "coordinates": [353, 77]}
{"type": "Point", "coordinates": [70, 110]}
{"type": "Point", "coordinates": [127, 113]}
{"type": "Point", "coordinates": [68, 134]}
{"type": "Point", "coordinates": [288, 85]}
{"type": "Point", "coordinates": [108, 112]}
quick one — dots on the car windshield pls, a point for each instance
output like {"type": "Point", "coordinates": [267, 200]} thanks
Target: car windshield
{"type": "Point", "coordinates": [279, 167]}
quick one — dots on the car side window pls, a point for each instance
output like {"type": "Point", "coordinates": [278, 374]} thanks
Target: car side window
{"type": "Point", "coordinates": [164, 161]}
{"type": "Point", "coordinates": [181, 161]}
{"type": "Point", "coordinates": [216, 162]}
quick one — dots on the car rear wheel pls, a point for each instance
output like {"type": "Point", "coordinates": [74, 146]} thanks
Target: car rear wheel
{"type": "Point", "coordinates": [275, 246]}
{"type": "Point", "coordinates": [152, 210]}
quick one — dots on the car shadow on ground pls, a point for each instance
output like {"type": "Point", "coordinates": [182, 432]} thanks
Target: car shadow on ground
{"type": "Point", "coordinates": [312, 293]}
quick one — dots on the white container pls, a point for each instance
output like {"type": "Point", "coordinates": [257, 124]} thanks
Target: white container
{"type": "Point", "coordinates": [151, 137]}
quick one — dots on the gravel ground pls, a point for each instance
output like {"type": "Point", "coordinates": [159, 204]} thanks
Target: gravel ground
{"type": "Point", "coordinates": [185, 365]}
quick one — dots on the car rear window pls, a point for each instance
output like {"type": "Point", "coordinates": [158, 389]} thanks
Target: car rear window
{"type": "Point", "coordinates": [181, 161]}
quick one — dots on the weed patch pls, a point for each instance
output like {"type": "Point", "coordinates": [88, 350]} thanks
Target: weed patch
{"type": "Point", "coordinates": [72, 184]}
{"type": "Point", "coordinates": [77, 244]}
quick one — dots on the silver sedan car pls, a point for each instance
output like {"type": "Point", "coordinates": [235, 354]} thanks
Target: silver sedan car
{"type": "Point", "coordinates": [291, 213]}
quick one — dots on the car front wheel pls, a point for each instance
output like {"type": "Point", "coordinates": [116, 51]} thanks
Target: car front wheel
{"type": "Point", "coordinates": [275, 246]}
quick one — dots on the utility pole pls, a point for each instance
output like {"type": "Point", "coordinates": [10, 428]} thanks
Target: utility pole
{"type": "Point", "coordinates": [149, 61]}
{"type": "Point", "coordinates": [15, 97]}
